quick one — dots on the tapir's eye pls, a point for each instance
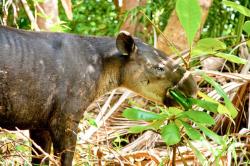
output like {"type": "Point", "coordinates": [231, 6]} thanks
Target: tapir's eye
{"type": "Point", "coordinates": [158, 68]}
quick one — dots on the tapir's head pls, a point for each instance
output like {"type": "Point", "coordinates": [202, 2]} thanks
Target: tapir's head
{"type": "Point", "coordinates": [150, 73]}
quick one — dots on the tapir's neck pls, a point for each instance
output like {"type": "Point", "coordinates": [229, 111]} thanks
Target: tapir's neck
{"type": "Point", "coordinates": [113, 63]}
{"type": "Point", "coordinates": [111, 75]}
{"type": "Point", "coordinates": [105, 46]}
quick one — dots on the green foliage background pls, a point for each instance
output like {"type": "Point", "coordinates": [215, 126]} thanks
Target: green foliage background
{"type": "Point", "coordinates": [101, 17]}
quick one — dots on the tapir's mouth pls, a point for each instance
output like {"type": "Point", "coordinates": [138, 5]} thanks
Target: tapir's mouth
{"type": "Point", "coordinates": [169, 101]}
{"type": "Point", "coordinates": [186, 85]}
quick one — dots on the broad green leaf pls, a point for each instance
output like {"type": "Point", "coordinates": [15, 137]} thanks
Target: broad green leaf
{"type": "Point", "coordinates": [170, 134]}
{"type": "Point", "coordinates": [207, 105]}
{"type": "Point", "coordinates": [220, 91]}
{"type": "Point", "coordinates": [243, 10]}
{"type": "Point", "coordinates": [138, 114]}
{"type": "Point", "coordinates": [216, 138]}
{"type": "Point", "coordinates": [191, 132]}
{"type": "Point", "coordinates": [179, 98]}
{"type": "Point", "coordinates": [189, 13]}
{"type": "Point", "coordinates": [246, 27]}
{"type": "Point", "coordinates": [174, 111]}
{"type": "Point", "coordinates": [231, 58]}
{"type": "Point", "coordinates": [224, 110]}
{"type": "Point", "coordinates": [208, 46]}
{"type": "Point", "coordinates": [202, 159]}
{"type": "Point", "coordinates": [139, 129]}
{"type": "Point", "coordinates": [220, 109]}
{"type": "Point", "coordinates": [199, 117]}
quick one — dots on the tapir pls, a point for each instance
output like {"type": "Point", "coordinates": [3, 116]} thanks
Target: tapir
{"type": "Point", "coordinates": [47, 80]}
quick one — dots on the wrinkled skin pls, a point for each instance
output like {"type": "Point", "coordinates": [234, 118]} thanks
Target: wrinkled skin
{"type": "Point", "coordinates": [47, 80]}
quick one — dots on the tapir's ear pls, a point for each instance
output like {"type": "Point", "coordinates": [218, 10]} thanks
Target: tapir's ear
{"type": "Point", "coordinates": [125, 43]}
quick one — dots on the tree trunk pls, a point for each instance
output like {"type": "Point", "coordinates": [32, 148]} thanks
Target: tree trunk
{"type": "Point", "coordinates": [132, 24]}
{"type": "Point", "coordinates": [48, 14]}
{"type": "Point", "coordinates": [175, 32]}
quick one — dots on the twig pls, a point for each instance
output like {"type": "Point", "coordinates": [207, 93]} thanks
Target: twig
{"type": "Point", "coordinates": [174, 155]}
{"type": "Point", "coordinates": [20, 155]}
{"type": "Point", "coordinates": [30, 15]}
{"type": "Point", "coordinates": [92, 130]}
{"type": "Point", "coordinates": [170, 44]}
{"type": "Point", "coordinates": [39, 148]}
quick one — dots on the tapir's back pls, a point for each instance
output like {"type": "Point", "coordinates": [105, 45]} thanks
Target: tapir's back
{"type": "Point", "coordinates": [39, 71]}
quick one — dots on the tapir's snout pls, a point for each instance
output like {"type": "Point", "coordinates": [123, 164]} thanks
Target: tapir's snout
{"type": "Point", "coordinates": [187, 85]}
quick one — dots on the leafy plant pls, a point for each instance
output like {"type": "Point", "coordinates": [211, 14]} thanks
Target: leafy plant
{"type": "Point", "coordinates": [189, 14]}
{"type": "Point", "coordinates": [192, 120]}
{"type": "Point", "coordinates": [178, 119]}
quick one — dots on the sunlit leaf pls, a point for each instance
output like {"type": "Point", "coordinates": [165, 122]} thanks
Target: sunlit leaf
{"type": "Point", "coordinates": [189, 13]}
{"type": "Point", "coordinates": [170, 134]}
{"type": "Point", "coordinates": [220, 109]}
{"type": "Point", "coordinates": [246, 27]}
{"type": "Point", "coordinates": [248, 43]}
{"type": "Point", "coordinates": [138, 114]}
{"type": "Point", "coordinates": [243, 10]}
{"type": "Point", "coordinates": [208, 46]}
{"type": "Point", "coordinates": [231, 58]}
{"type": "Point", "coordinates": [92, 122]}
{"type": "Point", "coordinates": [220, 91]}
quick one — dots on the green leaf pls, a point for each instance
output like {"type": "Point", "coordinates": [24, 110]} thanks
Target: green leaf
{"type": "Point", "coordinates": [21, 148]}
{"type": "Point", "coordinates": [191, 132]}
{"type": "Point", "coordinates": [208, 46]}
{"type": "Point", "coordinates": [189, 13]}
{"type": "Point", "coordinates": [170, 134]}
{"type": "Point", "coordinates": [174, 111]}
{"type": "Point", "coordinates": [220, 109]}
{"type": "Point", "coordinates": [220, 91]}
{"type": "Point", "coordinates": [155, 125]}
{"type": "Point", "coordinates": [231, 58]}
{"type": "Point", "coordinates": [248, 43]}
{"type": "Point", "coordinates": [179, 98]}
{"type": "Point", "coordinates": [246, 27]}
{"type": "Point", "coordinates": [207, 105]}
{"type": "Point", "coordinates": [216, 138]}
{"type": "Point", "coordinates": [202, 159]}
{"type": "Point", "coordinates": [138, 114]}
{"type": "Point", "coordinates": [92, 122]}
{"type": "Point", "coordinates": [243, 10]}
{"type": "Point", "coordinates": [139, 129]}
{"type": "Point", "coordinates": [199, 117]}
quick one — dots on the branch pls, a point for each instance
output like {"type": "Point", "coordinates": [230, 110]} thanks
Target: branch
{"type": "Point", "coordinates": [30, 15]}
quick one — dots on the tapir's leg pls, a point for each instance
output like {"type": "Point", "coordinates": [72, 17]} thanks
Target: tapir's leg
{"type": "Point", "coordinates": [43, 139]}
{"type": "Point", "coordinates": [64, 135]}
